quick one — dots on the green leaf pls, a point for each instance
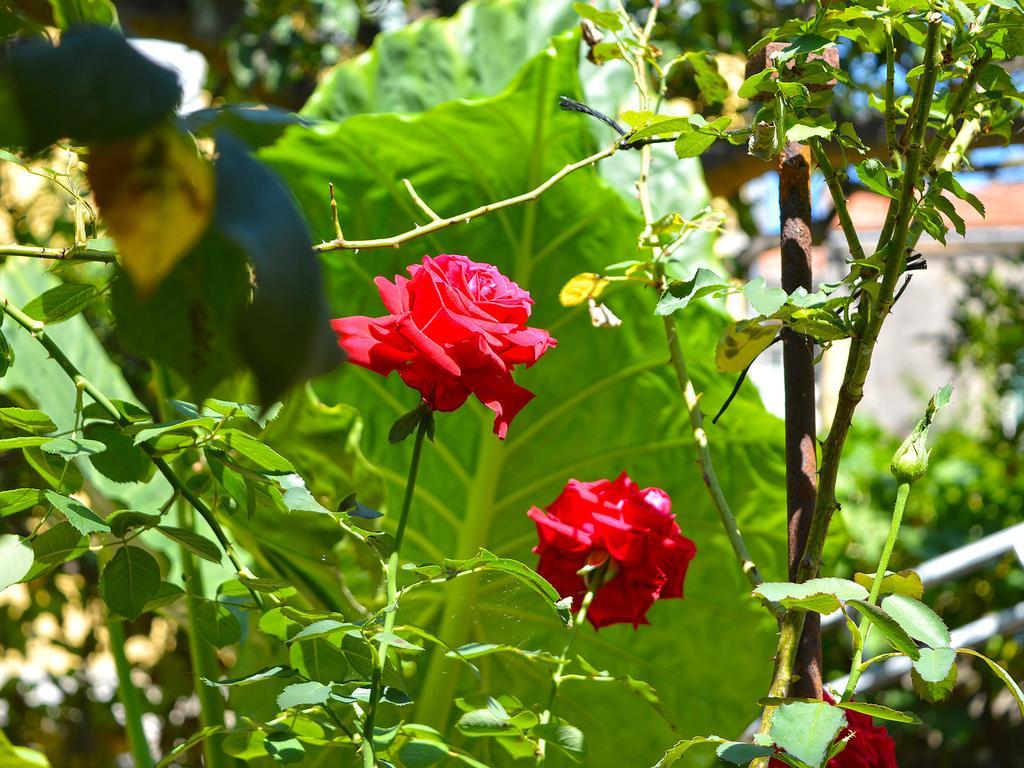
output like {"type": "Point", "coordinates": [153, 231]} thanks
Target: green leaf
{"type": "Point", "coordinates": [473, 54]}
{"type": "Point", "coordinates": [419, 753]}
{"type": "Point", "coordinates": [476, 650]}
{"type": "Point", "coordinates": [193, 740]}
{"type": "Point", "coordinates": [322, 628]}
{"type": "Point", "coordinates": [934, 673]}
{"type": "Point", "coordinates": [116, 92]}
{"type": "Point", "coordinates": [18, 500]}
{"type": "Point", "coordinates": [303, 695]}
{"type": "Point", "coordinates": [193, 542]}
{"type": "Point", "coordinates": [120, 460]}
{"type": "Point", "coordinates": [54, 547]}
{"type": "Point", "coordinates": [266, 673]}
{"type": "Point", "coordinates": [202, 425]}
{"type": "Point", "coordinates": [888, 626]}
{"type": "Point", "coordinates": [56, 471]}
{"type": "Point", "coordinates": [129, 580]}
{"type": "Point", "coordinates": [919, 621]}
{"type": "Point", "coordinates": [67, 13]}
{"type": "Point", "coordinates": [488, 722]}
{"type": "Point", "coordinates": [60, 303]}
{"type": "Point", "coordinates": [319, 659]}
{"type": "Point", "coordinates": [79, 515]}
{"type": "Point", "coordinates": [680, 748]}
{"type": "Point", "coordinates": [27, 420]}
{"type": "Point", "coordinates": [1002, 674]}
{"type": "Point", "coordinates": [123, 520]}
{"type": "Point", "coordinates": [764, 300]}
{"type": "Point", "coordinates": [741, 753]}
{"type": "Point", "coordinates": [26, 441]}
{"type": "Point", "coordinates": [284, 747]}
{"type": "Point", "coordinates": [823, 595]}
{"type": "Point", "coordinates": [805, 730]}
{"type": "Point", "coordinates": [713, 87]}
{"type": "Point", "coordinates": [69, 447]}
{"type": "Point", "coordinates": [880, 712]}
{"type": "Point", "coordinates": [561, 734]}
{"type": "Point", "coordinates": [255, 454]}
{"type": "Point", "coordinates": [16, 558]}
{"type": "Point", "coordinates": [681, 292]}
{"type": "Point", "coordinates": [693, 143]}
{"type": "Point", "coordinates": [255, 124]}
{"type": "Point", "coordinates": [217, 624]}
{"type": "Point", "coordinates": [166, 594]}
{"type": "Point", "coordinates": [603, 19]}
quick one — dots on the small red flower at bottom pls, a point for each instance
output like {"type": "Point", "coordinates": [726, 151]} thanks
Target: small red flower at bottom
{"type": "Point", "coordinates": [870, 747]}
{"type": "Point", "coordinates": [628, 532]}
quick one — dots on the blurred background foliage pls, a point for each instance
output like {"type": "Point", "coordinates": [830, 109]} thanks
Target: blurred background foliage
{"type": "Point", "coordinates": [278, 53]}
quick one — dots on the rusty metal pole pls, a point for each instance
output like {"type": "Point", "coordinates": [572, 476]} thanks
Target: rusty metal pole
{"type": "Point", "coordinates": [798, 374]}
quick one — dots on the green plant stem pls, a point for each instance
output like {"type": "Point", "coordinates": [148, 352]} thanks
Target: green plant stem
{"type": "Point", "coordinates": [707, 469]}
{"type": "Point", "coordinates": [37, 331]}
{"type": "Point", "coordinates": [851, 391]}
{"type": "Point", "coordinates": [890, 94]}
{"type": "Point", "coordinates": [204, 658]}
{"type": "Point", "coordinates": [128, 695]}
{"type": "Point", "coordinates": [902, 493]}
{"type": "Point", "coordinates": [74, 253]}
{"type": "Point", "coordinates": [556, 678]}
{"type": "Point", "coordinates": [391, 593]}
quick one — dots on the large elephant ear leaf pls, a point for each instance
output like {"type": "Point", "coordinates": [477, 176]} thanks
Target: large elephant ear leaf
{"type": "Point", "coordinates": [473, 54]}
{"type": "Point", "coordinates": [605, 401]}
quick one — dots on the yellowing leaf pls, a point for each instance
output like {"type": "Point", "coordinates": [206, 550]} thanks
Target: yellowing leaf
{"type": "Point", "coordinates": [903, 583]}
{"type": "Point", "coordinates": [586, 285]}
{"type": "Point", "coordinates": [743, 342]}
{"type": "Point", "coordinates": [156, 195]}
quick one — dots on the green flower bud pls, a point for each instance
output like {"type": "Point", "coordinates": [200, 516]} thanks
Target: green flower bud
{"type": "Point", "coordinates": [911, 459]}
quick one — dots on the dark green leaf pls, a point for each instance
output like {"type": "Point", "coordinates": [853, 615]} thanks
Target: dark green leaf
{"type": "Point", "coordinates": [129, 581]}
{"type": "Point", "coordinates": [116, 92]}
{"type": "Point", "coordinates": [193, 542]}
{"type": "Point", "coordinates": [165, 594]}
{"type": "Point", "coordinates": [56, 546]}
{"type": "Point", "coordinates": [120, 460]}
{"type": "Point", "coordinates": [741, 753]}
{"type": "Point", "coordinates": [561, 734]}
{"type": "Point", "coordinates": [286, 335]}
{"type": "Point", "coordinates": [255, 454]}
{"type": "Point", "coordinates": [407, 423]}
{"type": "Point", "coordinates": [284, 747]}
{"type": "Point", "coordinates": [713, 87]}
{"type": "Point", "coordinates": [123, 520]}
{"type": "Point", "coordinates": [217, 624]}
{"type": "Point", "coordinates": [57, 472]}
{"type": "Point", "coordinates": [681, 292]}
{"type": "Point", "coordinates": [18, 500]}
{"type": "Point", "coordinates": [419, 753]}
{"type": "Point", "coordinates": [880, 712]}
{"type": "Point", "coordinates": [60, 303]}
{"type": "Point", "coordinates": [319, 659]}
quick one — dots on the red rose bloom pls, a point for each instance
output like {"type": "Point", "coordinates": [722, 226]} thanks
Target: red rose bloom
{"type": "Point", "coordinates": [870, 747]}
{"type": "Point", "coordinates": [456, 328]}
{"type": "Point", "coordinates": [634, 527]}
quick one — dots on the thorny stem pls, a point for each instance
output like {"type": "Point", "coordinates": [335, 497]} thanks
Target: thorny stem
{"type": "Point", "coordinates": [36, 330]}
{"type": "Point", "coordinates": [73, 253]}
{"type": "Point", "coordinates": [341, 244]}
{"type": "Point", "coordinates": [858, 362]}
{"type": "Point", "coordinates": [556, 678]}
{"type": "Point", "coordinates": [678, 361]}
{"type": "Point", "coordinates": [391, 593]}
{"type": "Point", "coordinates": [902, 493]}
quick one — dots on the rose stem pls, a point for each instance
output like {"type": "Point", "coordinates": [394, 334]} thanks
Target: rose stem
{"type": "Point", "coordinates": [556, 678]}
{"type": "Point", "coordinates": [902, 492]}
{"type": "Point", "coordinates": [391, 586]}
